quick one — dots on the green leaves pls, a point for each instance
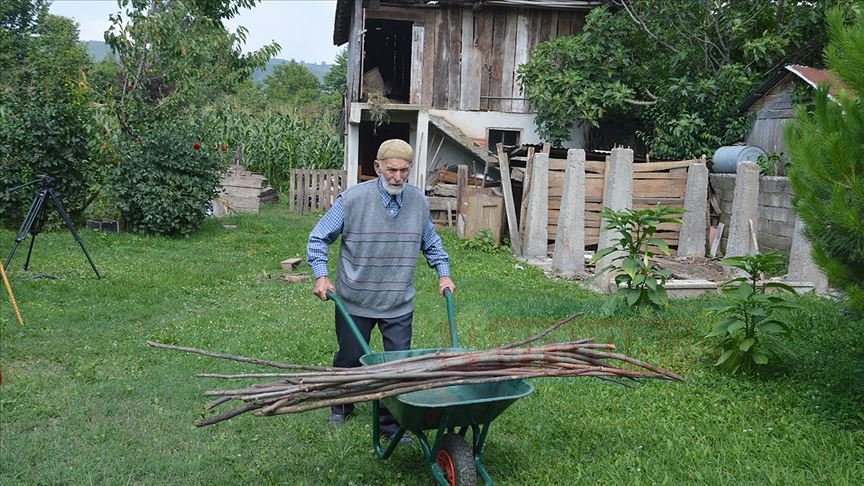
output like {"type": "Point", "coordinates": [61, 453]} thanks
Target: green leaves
{"type": "Point", "coordinates": [640, 283]}
{"type": "Point", "coordinates": [748, 331]}
{"type": "Point", "coordinates": [676, 70]}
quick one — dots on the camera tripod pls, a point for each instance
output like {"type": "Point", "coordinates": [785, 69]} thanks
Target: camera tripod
{"type": "Point", "coordinates": [36, 216]}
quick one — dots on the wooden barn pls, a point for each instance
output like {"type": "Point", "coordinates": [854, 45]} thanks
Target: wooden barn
{"type": "Point", "coordinates": [441, 74]}
{"type": "Point", "coordinates": [773, 103]}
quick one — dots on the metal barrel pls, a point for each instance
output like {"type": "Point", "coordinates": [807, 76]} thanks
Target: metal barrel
{"type": "Point", "coordinates": [726, 159]}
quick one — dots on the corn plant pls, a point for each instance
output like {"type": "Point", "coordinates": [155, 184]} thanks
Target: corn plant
{"type": "Point", "coordinates": [748, 331]}
{"type": "Point", "coordinates": [639, 282]}
{"type": "Point", "coordinates": [274, 143]}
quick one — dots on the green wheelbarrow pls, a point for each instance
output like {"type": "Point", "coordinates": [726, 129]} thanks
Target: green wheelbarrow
{"type": "Point", "coordinates": [450, 411]}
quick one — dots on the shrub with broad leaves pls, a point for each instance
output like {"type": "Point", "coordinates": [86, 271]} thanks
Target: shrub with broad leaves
{"type": "Point", "coordinates": [749, 331]}
{"type": "Point", "coordinates": [640, 283]}
{"type": "Point", "coordinates": [166, 179]}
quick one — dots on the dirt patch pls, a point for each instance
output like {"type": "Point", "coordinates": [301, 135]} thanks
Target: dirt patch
{"type": "Point", "coordinates": [694, 268]}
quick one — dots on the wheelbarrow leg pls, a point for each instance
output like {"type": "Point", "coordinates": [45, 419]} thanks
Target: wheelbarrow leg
{"type": "Point", "coordinates": [376, 434]}
{"type": "Point", "coordinates": [478, 436]}
{"type": "Point", "coordinates": [430, 452]}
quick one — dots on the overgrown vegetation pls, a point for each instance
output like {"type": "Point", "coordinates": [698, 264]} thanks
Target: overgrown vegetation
{"type": "Point", "coordinates": [81, 390]}
{"type": "Point", "coordinates": [639, 282]}
{"type": "Point", "coordinates": [47, 122]}
{"type": "Point", "coordinates": [826, 153]}
{"type": "Point", "coordinates": [680, 69]}
{"type": "Point", "coordinates": [750, 329]}
{"type": "Point", "coordinates": [175, 58]}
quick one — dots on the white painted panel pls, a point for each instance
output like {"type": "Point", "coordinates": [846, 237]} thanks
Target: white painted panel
{"type": "Point", "coordinates": [417, 35]}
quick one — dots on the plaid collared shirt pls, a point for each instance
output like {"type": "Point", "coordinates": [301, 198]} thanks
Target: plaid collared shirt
{"type": "Point", "coordinates": [330, 226]}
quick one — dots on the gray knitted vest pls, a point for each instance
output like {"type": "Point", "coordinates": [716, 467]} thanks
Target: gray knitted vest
{"type": "Point", "coordinates": [378, 253]}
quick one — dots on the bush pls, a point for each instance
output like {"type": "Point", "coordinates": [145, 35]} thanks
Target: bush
{"type": "Point", "coordinates": [644, 285]}
{"type": "Point", "coordinates": [749, 334]}
{"type": "Point", "coordinates": [47, 123]}
{"type": "Point", "coordinates": [166, 179]}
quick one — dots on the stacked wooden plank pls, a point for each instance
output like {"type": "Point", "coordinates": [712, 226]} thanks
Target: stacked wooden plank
{"type": "Point", "coordinates": [442, 189]}
{"type": "Point", "coordinates": [653, 183]}
{"type": "Point", "coordinates": [244, 191]}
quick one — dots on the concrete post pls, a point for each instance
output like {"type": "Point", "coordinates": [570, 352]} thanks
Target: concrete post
{"type": "Point", "coordinates": [694, 228]}
{"type": "Point", "coordinates": [801, 265]}
{"type": "Point", "coordinates": [745, 208]}
{"type": "Point", "coordinates": [617, 195]}
{"type": "Point", "coordinates": [537, 231]}
{"type": "Point", "coordinates": [569, 256]}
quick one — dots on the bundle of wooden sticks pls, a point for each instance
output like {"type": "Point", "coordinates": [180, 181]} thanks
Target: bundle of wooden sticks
{"type": "Point", "coordinates": [312, 387]}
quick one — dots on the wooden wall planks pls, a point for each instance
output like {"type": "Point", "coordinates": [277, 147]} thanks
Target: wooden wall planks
{"type": "Point", "coordinates": [461, 55]}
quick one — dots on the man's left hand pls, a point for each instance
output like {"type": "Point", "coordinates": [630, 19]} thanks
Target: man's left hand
{"type": "Point", "coordinates": [446, 283]}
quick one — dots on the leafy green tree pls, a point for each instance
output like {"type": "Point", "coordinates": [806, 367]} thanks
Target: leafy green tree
{"type": "Point", "coordinates": [334, 84]}
{"type": "Point", "coordinates": [826, 147]}
{"type": "Point", "coordinates": [293, 84]}
{"type": "Point", "coordinates": [46, 115]}
{"type": "Point", "coordinates": [679, 68]}
{"type": "Point", "coordinates": [176, 59]}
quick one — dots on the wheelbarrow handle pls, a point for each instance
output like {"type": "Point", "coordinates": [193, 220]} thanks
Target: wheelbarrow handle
{"type": "Point", "coordinates": [340, 307]}
{"type": "Point", "coordinates": [451, 318]}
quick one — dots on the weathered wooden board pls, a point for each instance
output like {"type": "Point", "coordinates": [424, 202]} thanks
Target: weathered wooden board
{"type": "Point", "coordinates": [417, 40]}
{"type": "Point", "coordinates": [441, 73]}
{"type": "Point", "coordinates": [430, 35]}
{"type": "Point", "coordinates": [470, 74]}
{"type": "Point", "coordinates": [454, 62]}
{"type": "Point", "coordinates": [484, 212]}
{"type": "Point", "coordinates": [484, 25]}
{"type": "Point", "coordinates": [508, 60]}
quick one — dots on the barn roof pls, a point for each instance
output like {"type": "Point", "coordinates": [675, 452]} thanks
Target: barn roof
{"type": "Point", "coordinates": [344, 9]}
{"type": "Point", "coordinates": [812, 76]}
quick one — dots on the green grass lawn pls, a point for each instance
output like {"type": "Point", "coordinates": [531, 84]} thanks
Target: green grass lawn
{"type": "Point", "coordinates": [84, 401]}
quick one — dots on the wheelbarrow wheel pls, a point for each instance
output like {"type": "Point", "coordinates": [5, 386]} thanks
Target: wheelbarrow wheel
{"type": "Point", "coordinates": [456, 461]}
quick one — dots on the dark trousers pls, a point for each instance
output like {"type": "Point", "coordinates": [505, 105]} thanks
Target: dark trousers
{"type": "Point", "coordinates": [396, 334]}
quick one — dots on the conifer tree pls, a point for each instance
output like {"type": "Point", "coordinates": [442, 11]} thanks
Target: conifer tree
{"type": "Point", "coordinates": [826, 146]}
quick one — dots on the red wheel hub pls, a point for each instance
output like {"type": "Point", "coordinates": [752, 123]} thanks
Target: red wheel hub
{"type": "Point", "coordinates": [445, 462]}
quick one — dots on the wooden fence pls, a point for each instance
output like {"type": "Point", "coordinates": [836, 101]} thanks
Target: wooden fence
{"type": "Point", "coordinates": [653, 183]}
{"type": "Point", "coordinates": [315, 190]}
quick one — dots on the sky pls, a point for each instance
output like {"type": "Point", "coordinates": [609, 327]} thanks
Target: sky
{"type": "Point", "coordinates": [303, 28]}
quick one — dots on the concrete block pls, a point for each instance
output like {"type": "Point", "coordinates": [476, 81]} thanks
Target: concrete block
{"type": "Point", "coordinates": [569, 256]}
{"type": "Point", "coordinates": [536, 229]}
{"type": "Point", "coordinates": [801, 265]}
{"type": "Point", "coordinates": [694, 229]}
{"type": "Point", "coordinates": [776, 199]}
{"type": "Point", "coordinates": [769, 184]}
{"type": "Point", "coordinates": [617, 195]}
{"type": "Point", "coordinates": [745, 208]}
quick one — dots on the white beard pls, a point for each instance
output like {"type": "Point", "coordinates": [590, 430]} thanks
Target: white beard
{"type": "Point", "coordinates": [392, 190]}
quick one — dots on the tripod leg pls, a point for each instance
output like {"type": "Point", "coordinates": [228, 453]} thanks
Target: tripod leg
{"type": "Point", "coordinates": [71, 227]}
{"type": "Point", "coordinates": [36, 208]}
{"type": "Point", "coordinates": [29, 251]}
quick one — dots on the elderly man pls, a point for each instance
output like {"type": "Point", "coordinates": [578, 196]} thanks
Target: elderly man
{"type": "Point", "coordinates": [385, 224]}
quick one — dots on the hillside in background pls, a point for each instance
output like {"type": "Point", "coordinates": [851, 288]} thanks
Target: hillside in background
{"type": "Point", "coordinates": [98, 50]}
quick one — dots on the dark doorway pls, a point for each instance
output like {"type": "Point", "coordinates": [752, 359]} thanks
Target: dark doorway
{"type": "Point", "coordinates": [387, 59]}
{"type": "Point", "coordinates": [370, 140]}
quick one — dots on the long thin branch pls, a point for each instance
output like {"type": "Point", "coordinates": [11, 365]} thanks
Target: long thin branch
{"type": "Point", "coordinates": [644, 27]}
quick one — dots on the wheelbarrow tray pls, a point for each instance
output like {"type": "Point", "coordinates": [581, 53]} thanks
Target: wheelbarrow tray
{"type": "Point", "coordinates": [465, 404]}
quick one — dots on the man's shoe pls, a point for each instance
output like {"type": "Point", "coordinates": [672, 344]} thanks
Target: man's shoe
{"type": "Point", "coordinates": [390, 431]}
{"type": "Point", "coordinates": [337, 419]}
